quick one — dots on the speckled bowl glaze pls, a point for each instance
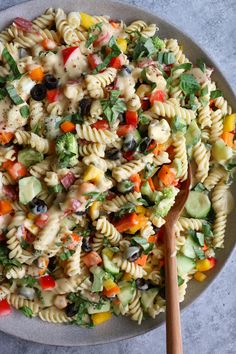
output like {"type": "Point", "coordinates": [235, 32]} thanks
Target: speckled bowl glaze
{"type": "Point", "coordinates": [117, 328]}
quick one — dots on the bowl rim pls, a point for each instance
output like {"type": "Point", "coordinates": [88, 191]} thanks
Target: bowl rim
{"type": "Point", "coordinates": [232, 97]}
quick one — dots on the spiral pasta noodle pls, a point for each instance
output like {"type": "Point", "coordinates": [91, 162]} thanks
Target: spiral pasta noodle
{"type": "Point", "coordinates": [107, 229]}
{"type": "Point", "coordinates": [133, 269]}
{"type": "Point", "coordinates": [202, 158]}
{"type": "Point", "coordinates": [126, 170]}
{"type": "Point", "coordinates": [117, 203]}
{"type": "Point", "coordinates": [170, 111]}
{"type": "Point", "coordinates": [35, 141]}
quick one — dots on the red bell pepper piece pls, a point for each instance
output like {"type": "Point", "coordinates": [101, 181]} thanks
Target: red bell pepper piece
{"type": "Point", "coordinates": [126, 222]}
{"type": "Point", "coordinates": [66, 53]}
{"type": "Point", "coordinates": [128, 155]}
{"type": "Point", "coordinates": [212, 261]}
{"type": "Point", "coordinates": [101, 124]}
{"type": "Point", "coordinates": [53, 95]}
{"type": "Point", "coordinates": [47, 282]}
{"type": "Point", "coordinates": [17, 170]}
{"type": "Point", "coordinates": [5, 308]}
{"type": "Point", "coordinates": [124, 129]}
{"type": "Point", "coordinates": [131, 118]}
{"type": "Point", "coordinates": [116, 62]}
{"type": "Point", "coordinates": [157, 95]}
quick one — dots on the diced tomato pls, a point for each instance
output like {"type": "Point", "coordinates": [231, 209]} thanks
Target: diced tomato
{"type": "Point", "coordinates": [5, 308]}
{"type": "Point", "coordinates": [94, 60]}
{"type": "Point", "coordinates": [47, 282]}
{"type": "Point", "coordinates": [101, 124]}
{"type": "Point", "coordinates": [137, 181]}
{"type": "Point", "coordinates": [10, 192]}
{"type": "Point", "coordinates": [111, 292]}
{"type": "Point", "coordinates": [145, 104]}
{"type": "Point", "coordinates": [5, 137]}
{"type": "Point", "coordinates": [53, 95]}
{"type": "Point", "coordinates": [116, 62]}
{"type": "Point", "coordinates": [17, 170]}
{"type": "Point", "coordinates": [205, 247]}
{"type": "Point", "coordinates": [68, 180]}
{"type": "Point", "coordinates": [66, 53]}
{"type": "Point", "coordinates": [157, 95]}
{"type": "Point", "coordinates": [23, 24]}
{"type": "Point", "coordinates": [41, 220]}
{"type": "Point", "coordinates": [128, 155]}
{"type": "Point", "coordinates": [91, 259]}
{"type": "Point", "coordinates": [48, 44]}
{"type": "Point", "coordinates": [124, 129]}
{"type": "Point", "coordinates": [131, 118]}
{"type": "Point", "coordinates": [126, 222]}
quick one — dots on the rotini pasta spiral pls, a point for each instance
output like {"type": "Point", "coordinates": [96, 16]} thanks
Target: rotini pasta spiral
{"type": "Point", "coordinates": [202, 158]}
{"type": "Point", "coordinates": [170, 111]}
{"type": "Point", "coordinates": [123, 172]}
{"type": "Point", "coordinates": [135, 308]}
{"type": "Point", "coordinates": [52, 314]}
{"type": "Point", "coordinates": [181, 153]}
{"type": "Point", "coordinates": [133, 269]}
{"type": "Point", "coordinates": [19, 301]}
{"type": "Point", "coordinates": [106, 228]}
{"type": "Point", "coordinates": [117, 203]}
{"type": "Point", "coordinates": [173, 46]}
{"type": "Point", "coordinates": [94, 135]}
{"type": "Point", "coordinates": [35, 141]}
{"type": "Point", "coordinates": [217, 125]}
{"type": "Point", "coordinates": [63, 27]}
{"type": "Point", "coordinates": [94, 148]}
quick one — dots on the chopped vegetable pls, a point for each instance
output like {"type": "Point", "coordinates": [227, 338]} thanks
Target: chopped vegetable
{"type": "Point", "coordinates": [37, 74]}
{"type": "Point", "coordinates": [113, 106]}
{"type": "Point", "coordinates": [5, 207]}
{"type": "Point", "coordinates": [17, 170]}
{"type": "Point", "coordinates": [228, 138]}
{"type": "Point", "coordinates": [94, 60]}
{"type": "Point", "coordinates": [5, 137]}
{"type": "Point", "coordinates": [41, 220]}
{"type": "Point", "coordinates": [142, 260]}
{"type": "Point", "coordinates": [131, 118]}
{"type": "Point", "coordinates": [47, 282]}
{"type": "Point", "coordinates": [122, 44]}
{"type": "Point", "coordinates": [124, 129]}
{"type": "Point", "coordinates": [5, 308]}
{"type": "Point", "coordinates": [101, 124]}
{"type": "Point", "coordinates": [92, 259]}
{"type": "Point", "coordinates": [126, 222]}
{"type": "Point", "coordinates": [67, 52]}
{"type": "Point", "coordinates": [167, 175]}
{"type": "Point", "coordinates": [12, 93]}
{"type": "Point", "coordinates": [230, 123]}
{"type": "Point", "coordinates": [86, 20]}
{"type": "Point", "coordinates": [99, 318]}
{"type": "Point", "coordinates": [67, 126]}
{"type": "Point", "coordinates": [53, 95]}
{"type": "Point", "coordinates": [199, 276]}
{"type": "Point", "coordinates": [116, 62]}
{"type": "Point", "coordinates": [141, 222]}
{"type": "Point", "coordinates": [157, 95]}
{"type": "Point", "coordinates": [48, 44]}
{"type": "Point", "coordinates": [137, 182]}
{"type": "Point", "coordinates": [203, 265]}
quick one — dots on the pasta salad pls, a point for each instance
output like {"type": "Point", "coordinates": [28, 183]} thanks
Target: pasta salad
{"type": "Point", "coordinates": [98, 121]}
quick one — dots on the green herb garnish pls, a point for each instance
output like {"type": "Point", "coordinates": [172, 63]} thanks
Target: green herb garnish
{"type": "Point", "coordinates": [12, 64]}
{"type": "Point", "coordinates": [115, 52]}
{"type": "Point", "coordinates": [201, 65]}
{"type": "Point", "coordinates": [113, 106]}
{"type": "Point", "coordinates": [16, 99]}
{"type": "Point", "coordinates": [216, 94]}
{"type": "Point", "coordinates": [66, 254]}
{"type": "Point", "coordinates": [98, 196]}
{"type": "Point", "coordinates": [28, 281]}
{"type": "Point", "coordinates": [125, 209]}
{"type": "Point", "coordinates": [93, 36]}
{"type": "Point", "coordinates": [189, 84]}
{"type": "Point", "coordinates": [24, 111]}
{"type": "Point", "coordinates": [27, 311]}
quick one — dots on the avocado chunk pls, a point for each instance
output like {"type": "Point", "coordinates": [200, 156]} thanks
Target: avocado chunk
{"type": "Point", "coordinates": [29, 187]}
{"type": "Point", "coordinates": [67, 150]}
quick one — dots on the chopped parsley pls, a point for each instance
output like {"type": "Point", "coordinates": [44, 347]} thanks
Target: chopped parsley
{"type": "Point", "coordinates": [189, 84]}
{"type": "Point", "coordinates": [216, 94]}
{"type": "Point", "coordinates": [28, 281]}
{"type": "Point", "coordinates": [95, 196]}
{"type": "Point", "coordinates": [92, 36]}
{"type": "Point", "coordinates": [66, 254]}
{"type": "Point", "coordinates": [27, 311]}
{"type": "Point", "coordinates": [115, 52]}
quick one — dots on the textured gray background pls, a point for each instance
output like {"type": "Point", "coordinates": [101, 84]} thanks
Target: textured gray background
{"type": "Point", "coordinates": [209, 325]}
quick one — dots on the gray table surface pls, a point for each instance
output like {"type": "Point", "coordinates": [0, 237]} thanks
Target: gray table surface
{"type": "Point", "coordinates": [209, 324]}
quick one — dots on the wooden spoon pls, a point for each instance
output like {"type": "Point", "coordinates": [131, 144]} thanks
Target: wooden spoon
{"type": "Point", "coordinates": [173, 323]}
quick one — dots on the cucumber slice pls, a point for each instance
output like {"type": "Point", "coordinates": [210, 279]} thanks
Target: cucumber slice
{"type": "Point", "coordinates": [29, 187]}
{"type": "Point", "coordinates": [104, 308]}
{"type": "Point", "coordinates": [177, 165]}
{"type": "Point", "coordinates": [126, 292]}
{"type": "Point", "coordinates": [184, 264]}
{"type": "Point", "coordinates": [109, 265]}
{"type": "Point", "coordinates": [146, 190]}
{"type": "Point", "coordinates": [193, 134]}
{"type": "Point", "coordinates": [147, 297]}
{"type": "Point", "coordinates": [189, 247]}
{"type": "Point", "coordinates": [29, 157]}
{"type": "Point", "coordinates": [221, 152]}
{"type": "Point", "coordinates": [198, 205]}
{"type": "Point", "coordinates": [98, 275]}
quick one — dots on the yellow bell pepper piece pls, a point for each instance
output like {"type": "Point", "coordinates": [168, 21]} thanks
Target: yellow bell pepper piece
{"type": "Point", "coordinates": [86, 20]}
{"type": "Point", "coordinates": [99, 318]}
{"type": "Point", "coordinates": [203, 265]}
{"type": "Point", "coordinates": [199, 276]}
{"type": "Point", "coordinates": [93, 174]}
{"type": "Point", "coordinates": [140, 210]}
{"type": "Point", "coordinates": [109, 284]}
{"type": "Point", "coordinates": [94, 210]}
{"type": "Point", "coordinates": [230, 122]}
{"type": "Point", "coordinates": [108, 252]}
{"type": "Point", "coordinates": [142, 222]}
{"type": "Point", "coordinates": [127, 277]}
{"type": "Point", "coordinates": [122, 44]}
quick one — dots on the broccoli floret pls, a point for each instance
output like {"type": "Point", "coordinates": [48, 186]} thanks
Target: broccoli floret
{"type": "Point", "coordinates": [158, 43]}
{"type": "Point", "coordinates": [67, 150]}
{"type": "Point", "coordinates": [167, 202]}
{"type": "Point", "coordinates": [169, 192]}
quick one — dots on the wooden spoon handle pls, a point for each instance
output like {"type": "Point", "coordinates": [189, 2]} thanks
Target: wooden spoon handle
{"type": "Point", "coordinates": [173, 323]}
